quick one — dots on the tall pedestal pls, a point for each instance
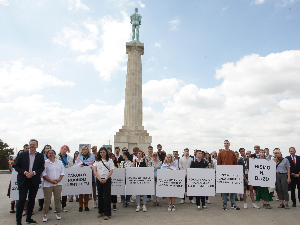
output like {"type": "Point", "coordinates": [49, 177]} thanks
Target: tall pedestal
{"type": "Point", "coordinates": [132, 133]}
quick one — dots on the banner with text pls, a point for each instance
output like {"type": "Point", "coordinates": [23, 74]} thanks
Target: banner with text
{"type": "Point", "coordinates": [140, 181]}
{"type": "Point", "coordinates": [118, 182]}
{"type": "Point", "coordinates": [229, 179]}
{"type": "Point", "coordinates": [262, 173]}
{"type": "Point", "coordinates": [200, 182]}
{"type": "Point", "coordinates": [14, 190]}
{"type": "Point", "coordinates": [77, 180]}
{"type": "Point", "coordinates": [170, 183]}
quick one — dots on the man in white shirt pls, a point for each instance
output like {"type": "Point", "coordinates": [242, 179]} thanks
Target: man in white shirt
{"type": "Point", "coordinates": [184, 163]}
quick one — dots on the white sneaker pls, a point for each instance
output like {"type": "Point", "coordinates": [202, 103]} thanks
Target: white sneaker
{"type": "Point", "coordinates": [182, 201]}
{"type": "Point", "coordinates": [255, 206]}
{"type": "Point", "coordinates": [173, 208]}
{"type": "Point", "coordinates": [120, 201]}
{"type": "Point", "coordinates": [192, 201]}
{"type": "Point", "coordinates": [137, 208]}
{"type": "Point", "coordinates": [169, 208]}
{"type": "Point", "coordinates": [198, 207]}
{"type": "Point", "coordinates": [144, 208]}
{"type": "Point", "coordinates": [58, 217]}
{"type": "Point", "coordinates": [245, 206]}
{"type": "Point", "coordinates": [205, 208]}
{"type": "Point", "coordinates": [95, 204]}
{"type": "Point", "coordinates": [131, 200]}
{"type": "Point", "coordinates": [208, 202]}
{"type": "Point", "coordinates": [64, 209]}
{"type": "Point", "coordinates": [45, 218]}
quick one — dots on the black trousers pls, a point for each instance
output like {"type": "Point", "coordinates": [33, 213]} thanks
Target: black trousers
{"type": "Point", "coordinates": [198, 200]}
{"type": "Point", "coordinates": [295, 181]}
{"type": "Point", "coordinates": [31, 189]}
{"type": "Point", "coordinates": [104, 197]}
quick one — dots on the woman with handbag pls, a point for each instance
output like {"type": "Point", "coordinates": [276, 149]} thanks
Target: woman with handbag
{"type": "Point", "coordinates": [103, 169]}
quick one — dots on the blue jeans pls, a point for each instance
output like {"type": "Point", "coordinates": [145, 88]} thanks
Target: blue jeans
{"type": "Point", "coordinates": [138, 199]}
{"type": "Point", "coordinates": [127, 198]}
{"type": "Point", "coordinates": [232, 198]}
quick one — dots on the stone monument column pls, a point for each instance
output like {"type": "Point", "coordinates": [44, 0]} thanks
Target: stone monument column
{"type": "Point", "coordinates": [133, 115]}
{"type": "Point", "coordinates": [132, 133]}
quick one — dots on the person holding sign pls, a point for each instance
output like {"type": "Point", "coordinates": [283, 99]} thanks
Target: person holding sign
{"type": "Point", "coordinates": [53, 174]}
{"type": "Point", "coordinates": [200, 163]}
{"type": "Point", "coordinates": [244, 161]}
{"type": "Point", "coordinates": [140, 162]}
{"type": "Point", "coordinates": [85, 158]}
{"type": "Point", "coordinates": [262, 193]}
{"type": "Point", "coordinates": [67, 161]}
{"type": "Point", "coordinates": [227, 157]}
{"type": "Point", "coordinates": [103, 168]}
{"type": "Point", "coordinates": [282, 178]}
{"type": "Point", "coordinates": [156, 163]}
{"type": "Point", "coordinates": [124, 164]}
{"type": "Point", "coordinates": [169, 164]}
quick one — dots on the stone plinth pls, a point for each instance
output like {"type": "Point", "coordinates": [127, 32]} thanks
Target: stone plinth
{"type": "Point", "coordinates": [132, 133]}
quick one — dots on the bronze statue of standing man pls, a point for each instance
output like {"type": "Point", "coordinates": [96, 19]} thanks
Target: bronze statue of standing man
{"type": "Point", "coordinates": [135, 20]}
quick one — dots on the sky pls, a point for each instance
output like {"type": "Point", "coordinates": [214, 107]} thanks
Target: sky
{"type": "Point", "coordinates": [212, 70]}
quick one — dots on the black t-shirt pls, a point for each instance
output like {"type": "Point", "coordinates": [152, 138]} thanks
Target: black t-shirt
{"type": "Point", "coordinates": [201, 164]}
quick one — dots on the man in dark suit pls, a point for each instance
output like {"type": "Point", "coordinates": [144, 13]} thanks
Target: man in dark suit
{"type": "Point", "coordinates": [295, 174]}
{"type": "Point", "coordinates": [30, 165]}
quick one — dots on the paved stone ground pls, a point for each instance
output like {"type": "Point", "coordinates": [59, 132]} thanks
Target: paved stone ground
{"type": "Point", "coordinates": [184, 214]}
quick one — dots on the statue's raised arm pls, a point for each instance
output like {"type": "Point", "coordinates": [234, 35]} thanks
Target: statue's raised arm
{"type": "Point", "coordinates": [136, 21]}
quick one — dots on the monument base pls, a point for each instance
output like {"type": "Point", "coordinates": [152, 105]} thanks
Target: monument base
{"type": "Point", "coordinates": [132, 136]}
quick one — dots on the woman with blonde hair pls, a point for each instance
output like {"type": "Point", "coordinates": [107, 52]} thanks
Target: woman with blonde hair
{"type": "Point", "coordinates": [169, 164]}
{"type": "Point", "coordinates": [67, 161]}
{"type": "Point", "coordinates": [84, 159]}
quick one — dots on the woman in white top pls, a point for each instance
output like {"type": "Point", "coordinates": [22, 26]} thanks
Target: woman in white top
{"type": "Point", "coordinates": [124, 164]}
{"type": "Point", "coordinates": [156, 163]}
{"type": "Point", "coordinates": [103, 169]}
{"type": "Point", "coordinates": [140, 162]}
{"type": "Point", "coordinates": [53, 174]}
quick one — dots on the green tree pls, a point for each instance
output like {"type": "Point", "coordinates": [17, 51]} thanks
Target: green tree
{"type": "Point", "coordinates": [5, 153]}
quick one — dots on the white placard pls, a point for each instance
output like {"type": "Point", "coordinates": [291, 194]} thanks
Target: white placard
{"type": "Point", "coordinates": [77, 180]}
{"type": "Point", "coordinates": [14, 189]}
{"type": "Point", "coordinates": [262, 173]}
{"type": "Point", "coordinates": [140, 181]}
{"type": "Point", "coordinates": [118, 182]}
{"type": "Point", "coordinates": [170, 183]}
{"type": "Point", "coordinates": [200, 182]}
{"type": "Point", "coordinates": [229, 179]}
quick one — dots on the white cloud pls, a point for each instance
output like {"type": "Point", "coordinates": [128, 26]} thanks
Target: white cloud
{"type": "Point", "coordinates": [111, 54]}
{"type": "Point", "coordinates": [78, 40]}
{"type": "Point", "coordinates": [141, 4]}
{"type": "Point", "coordinates": [4, 2]}
{"type": "Point", "coordinates": [17, 77]}
{"type": "Point", "coordinates": [174, 24]}
{"type": "Point", "coordinates": [158, 91]}
{"type": "Point", "coordinates": [151, 59]}
{"type": "Point", "coordinates": [259, 1]}
{"type": "Point", "coordinates": [77, 5]}
{"type": "Point", "coordinates": [224, 8]}
{"type": "Point", "coordinates": [157, 45]}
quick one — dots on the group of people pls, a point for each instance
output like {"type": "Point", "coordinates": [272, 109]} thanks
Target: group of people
{"type": "Point", "coordinates": [48, 165]}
